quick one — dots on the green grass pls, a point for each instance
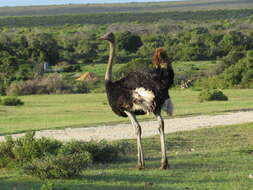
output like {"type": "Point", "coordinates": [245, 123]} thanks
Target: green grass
{"type": "Point", "coordinates": [126, 7]}
{"type": "Point", "coordinates": [194, 68]}
{"type": "Point", "coordinates": [214, 158]}
{"type": "Point", "coordinates": [180, 67]}
{"type": "Point", "coordinates": [99, 69]}
{"type": "Point", "coordinates": [82, 110]}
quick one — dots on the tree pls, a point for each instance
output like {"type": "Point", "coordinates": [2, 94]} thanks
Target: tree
{"type": "Point", "coordinates": [43, 45]}
{"type": "Point", "coordinates": [129, 42]}
{"type": "Point", "coordinates": [8, 67]}
{"type": "Point", "coordinates": [235, 41]}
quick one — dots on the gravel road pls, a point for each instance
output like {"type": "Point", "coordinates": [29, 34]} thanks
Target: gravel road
{"type": "Point", "coordinates": [149, 128]}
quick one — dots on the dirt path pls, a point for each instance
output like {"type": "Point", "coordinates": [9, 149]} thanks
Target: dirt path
{"type": "Point", "coordinates": [125, 131]}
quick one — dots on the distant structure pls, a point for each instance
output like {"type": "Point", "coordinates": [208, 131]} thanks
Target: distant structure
{"type": "Point", "coordinates": [47, 70]}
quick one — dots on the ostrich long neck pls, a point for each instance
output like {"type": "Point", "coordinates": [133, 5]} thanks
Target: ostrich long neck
{"type": "Point", "coordinates": [108, 74]}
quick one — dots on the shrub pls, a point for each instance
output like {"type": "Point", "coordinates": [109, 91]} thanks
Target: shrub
{"type": "Point", "coordinates": [46, 158]}
{"type": "Point", "coordinates": [209, 95]}
{"type": "Point", "coordinates": [80, 87]}
{"type": "Point", "coordinates": [51, 84]}
{"type": "Point", "coordinates": [6, 155]}
{"type": "Point", "coordinates": [123, 146]}
{"type": "Point", "coordinates": [25, 149]}
{"type": "Point", "coordinates": [129, 42]}
{"type": "Point", "coordinates": [138, 64]}
{"type": "Point", "coordinates": [60, 166]}
{"type": "Point", "coordinates": [48, 186]}
{"type": "Point", "coordinates": [104, 152]}
{"type": "Point", "coordinates": [101, 152]}
{"type": "Point", "coordinates": [11, 101]}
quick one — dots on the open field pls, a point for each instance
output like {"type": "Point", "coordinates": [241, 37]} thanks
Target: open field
{"type": "Point", "coordinates": [180, 67]}
{"type": "Point", "coordinates": [123, 18]}
{"type": "Point", "coordinates": [192, 5]}
{"type": "Point", "coordinates": [215, 158]}
{"type": "Point", "coordinates": [82, 110]}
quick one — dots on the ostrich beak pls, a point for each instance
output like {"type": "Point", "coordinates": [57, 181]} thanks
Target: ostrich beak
{"type": "Point", "coordinates": [108, 36]}
{"type": "Point", "coordinates": [103, 37]}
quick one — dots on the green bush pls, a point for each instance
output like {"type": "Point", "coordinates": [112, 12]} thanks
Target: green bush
{"type": "Point", "coordinates": [59, 166]}
{"type": "Point", "coordinates": [138, 64]}
{"type": "Point", "coordinates": [46, 158]}
{"type": "Point", "coordinates": [236, 75]}
{"type": "Point", "coordinates": [209, 95]}
{"type": "Point", "coordinates": [11, 101]}
{"type": "Point", "coordinates": [25, 149]}
{"type": "Point", "coordinates": [50, 84]}
{"type": "Point", "coordinates": [80, 87]}
{"type": "Point", "coordinates": [6, 155]}
{"type": "Point", "coordinates": [48, 186]}
{"type": "Point", "coordinates": [101, 152]}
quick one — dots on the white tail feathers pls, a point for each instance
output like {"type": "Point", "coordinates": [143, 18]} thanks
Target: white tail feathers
{"type": "Point", "coordinates": [143, 100]}
{"type": "Point", "coordinates": [168, 107]}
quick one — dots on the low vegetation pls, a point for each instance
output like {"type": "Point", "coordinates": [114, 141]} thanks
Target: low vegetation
{"type": "Point", "coordinates": [49, 84]}
{"type": "Point", "coordinates": [119, 17]}
{"type": "Point", "coordinates": [11, 101]}
{"type": "Point", "coordinates": [47, 158]}
{"type": "Point", "coordinates": [214, 158]}
{"type": "Point", "coordinates": [82, 110]}
{"type": "Point", "coordinates": [220, 40]}
{"type": "Point", "coordinates": [210, 95]}
{"type": "Point", "coordinates": [192, 5]}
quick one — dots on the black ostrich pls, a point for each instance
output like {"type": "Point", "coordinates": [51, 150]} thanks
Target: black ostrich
{"type": "Point", "coordinates": [139, 93]}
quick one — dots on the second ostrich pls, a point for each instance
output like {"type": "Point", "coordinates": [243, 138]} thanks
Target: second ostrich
{"type": "Point", "coordinates": [139, 93]}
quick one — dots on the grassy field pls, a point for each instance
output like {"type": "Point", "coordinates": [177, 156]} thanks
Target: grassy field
{"type": "Point", "coordinates": [192, 5]}
{"type": "Point", "coordinates": [100, 19]}
{"type": "Point", "coordinates": [180, 67]}
{"type": "Point", "coordinates": [194, 69]}
{"type": "Point", "coordinates": [82, 110]}
{"type": "Point", "coordinates": [215, 158]}
{"type": "Point", "coordinates": [99, 69]}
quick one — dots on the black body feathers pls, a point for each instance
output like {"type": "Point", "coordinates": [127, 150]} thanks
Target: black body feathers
{"type": "Point", "coordinates": [120, 93]}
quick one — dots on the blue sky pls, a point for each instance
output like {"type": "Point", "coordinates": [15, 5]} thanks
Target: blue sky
{"type": "Point", "coordinates": [53, 2]}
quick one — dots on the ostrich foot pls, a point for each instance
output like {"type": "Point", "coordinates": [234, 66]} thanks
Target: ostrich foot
{"type": "Point", "coordinates": [164, 164]}
{"type": "Point", "coordinates": [140, 167]}
{"type": "Point", "coordinates": [137, 167]}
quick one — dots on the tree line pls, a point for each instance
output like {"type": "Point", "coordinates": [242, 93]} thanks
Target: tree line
{"type": "Point", "coordinates": [108, 18]}
{"type": "Point", "coordinates": [24, 50]}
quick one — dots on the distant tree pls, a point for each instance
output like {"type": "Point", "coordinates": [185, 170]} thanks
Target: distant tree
{"type": "Point", "coordinates": [44, 46]}
{"type": "Point", "coordinates": [235, 40]}
{"type": "Point", "coordinates": [8, 67]}
{"type": "Point", "coordinates": [85, 50]}
{"type": "Point", "coordinates": [129, 42]}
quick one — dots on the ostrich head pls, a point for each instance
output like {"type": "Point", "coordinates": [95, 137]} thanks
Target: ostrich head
{"type": "Point", "coordinates": [109, 37]}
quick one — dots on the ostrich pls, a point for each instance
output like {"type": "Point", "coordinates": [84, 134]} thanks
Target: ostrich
{"type": "Point", "coordinates": [140, 93]}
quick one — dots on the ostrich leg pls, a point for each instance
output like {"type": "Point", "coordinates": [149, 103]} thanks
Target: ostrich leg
{"type": "Point", "coordinates": [164, 161]}
{"type": "Point", "coordinates": [137, 127]}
